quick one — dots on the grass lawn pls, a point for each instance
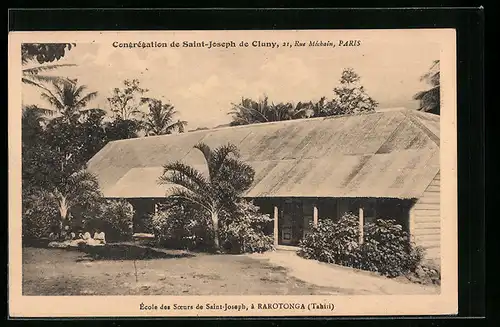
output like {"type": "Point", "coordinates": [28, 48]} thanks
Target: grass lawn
{"type": "Point", "coordinates": [72, 272]}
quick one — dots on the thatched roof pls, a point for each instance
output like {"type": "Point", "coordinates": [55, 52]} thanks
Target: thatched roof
{"type": "Point", "coordinates": [383, 154]}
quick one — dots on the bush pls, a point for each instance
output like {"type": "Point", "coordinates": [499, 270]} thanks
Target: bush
{"type": "Point", "coordinates": [386, 249]}
{"type": "Point", "coordinates": [243, 230]}
{"type": "Point", "coordinates": [40, 217]}
{"type": "Point", "coordinates": [333, 241]}
{"type": "Point", "coordinates": [389, 250]}
{"type": "Point", "coordinates": [426, 274]}
{"type": "Point", "coordinates": [179, 226]}
{"type": "Point", "coordinates": [115, 218]}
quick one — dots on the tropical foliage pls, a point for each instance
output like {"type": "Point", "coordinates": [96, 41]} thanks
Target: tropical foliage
{"type": "Point", "coordinates": [54, 154]}
{"type": "Point", "coordinates": [159, 119]}
{"type": "Point", "coordinates": [348, 98]}
{"type": "Point", "coordinates": [386, 249]}
{"type": "Point", "coordinates": [114, 218]}
{"type": "Point", "coordinates": [430, 98]}
{"type": "Point", "coordinates": [249, 111]}
{"type": "Point", "coordinates": [246, 229]}
{"type": "Point", "coordinates": [178, 224]}
{"type": "Point", "coordinates": [40, 216]}
{"type": "Point", "coordinates": [125, 103]}
{"type": "Point", "coordinates": [215, 193]}
{"type": "Point", "coordinates": [80, 188]}
{"type": "Point", "coordinates": [42, 53]}
{"type": "Point", "coordinates": [68, 99]}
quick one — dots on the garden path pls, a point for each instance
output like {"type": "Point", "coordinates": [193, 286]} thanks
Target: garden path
{"type": "Point", "coordinates": [344, 279]}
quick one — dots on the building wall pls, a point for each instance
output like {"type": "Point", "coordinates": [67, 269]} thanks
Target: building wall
{"type": "Point", "coordinates": [425, 221]}
{"type": "Point", "coordinates": [299, 212]}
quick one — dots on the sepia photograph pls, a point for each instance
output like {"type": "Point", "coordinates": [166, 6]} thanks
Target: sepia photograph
{"type": "Point", "coordinates": [248, 166]}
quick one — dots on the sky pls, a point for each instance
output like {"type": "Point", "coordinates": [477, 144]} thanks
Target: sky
{"type": "Point", "coordinates": [202, 83]}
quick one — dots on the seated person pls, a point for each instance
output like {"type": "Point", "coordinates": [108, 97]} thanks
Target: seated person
{"type": "Point", "coordinates": [100, 236]}
{"type": "Point", "coordinates": [86, 236]}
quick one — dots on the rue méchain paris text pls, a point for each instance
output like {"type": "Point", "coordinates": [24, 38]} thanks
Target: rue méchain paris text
{"type": "Point", "coordinates": [233, 44]}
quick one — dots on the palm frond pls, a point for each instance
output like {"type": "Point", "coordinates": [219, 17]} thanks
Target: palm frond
{"type": "Point", "coordinates": [219, 156]}
{"type": "Point", "coordinates": [178, 125]}
{"type": "Point", "coordinates": [39, 111]}
{"type": "Point", "coordinates": [47, 79]}
{"type": "Point", "coordinates": [181, 124]}
{"type": "Point", "coordinates": [53, 100]}
{"type": "Point", "coordinates": [45, 68]}
{"type": "Point", "coordinates": [91, 110]}
{"type": "Point", "coordinates": [184, 175]}
{"type": "Point", "coordinates": [80, 186]}
{"type": "Point", "coordinates": [188, 195]}
{"type": "Point", "coordinates": [205, 149]}
{"type": "Point", "coordinates": [83, 101]}
{"type": "Point", "coordinates": [33, 83]}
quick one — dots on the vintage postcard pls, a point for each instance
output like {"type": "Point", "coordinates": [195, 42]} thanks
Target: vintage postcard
{"type": "Point", "coordinates": [233, 173]}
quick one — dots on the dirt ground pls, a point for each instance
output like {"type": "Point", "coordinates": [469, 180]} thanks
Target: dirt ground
{"type": "Point", "coordinates": [71, 272]}
{"type": "Point", "coordinates": [344, 280]}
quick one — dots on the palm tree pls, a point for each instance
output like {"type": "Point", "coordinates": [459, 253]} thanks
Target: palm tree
{"type": "Point", "coordinates": [430, 99]}
{"type": "Point", "coordinates": [319, 109]}
{"type": "Point", "coordinates": [67, 99]}
{"type": "Point", "coordinates": [227, 179]}
{"type": "Point", "coordinates": [159, 119]}
{"type": "Point", "coordinates": [288, 111]}
{"type": "Point", "coordinates": [80, 188]}
{"type": "Point", "coordinates": [249, 111]}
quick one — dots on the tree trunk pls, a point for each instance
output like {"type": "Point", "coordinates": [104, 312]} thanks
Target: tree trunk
{"type": "Point", "coordinates": [63, 211]}
{"type": "Point", "coordinates": [215, 225]}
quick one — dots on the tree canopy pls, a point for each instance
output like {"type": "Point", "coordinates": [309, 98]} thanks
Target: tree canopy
{"type": "Point", "coordinates": [349, 98]}
{"type": "Point", "coordinates": [160, 118]}
{"type": "Point", "coordinates": [44, 52]}
{"type": "Point", "coordinates": [430, 99]}
{"type": "Point", "coordinates": [68, 99]}
{"type": "Point", "coordinates": [249, 111]}
{"type": "Point", "coordinates": [125, 102]}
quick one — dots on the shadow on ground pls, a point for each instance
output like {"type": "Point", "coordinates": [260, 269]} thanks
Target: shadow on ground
{"type": "Point", "coordinates": [128, 252]}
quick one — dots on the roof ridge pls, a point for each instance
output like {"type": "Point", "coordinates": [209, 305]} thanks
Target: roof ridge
{"type": "Point", "coordinates": [289, 121]}
{"type": "Point", "coordinates": [412, 115]}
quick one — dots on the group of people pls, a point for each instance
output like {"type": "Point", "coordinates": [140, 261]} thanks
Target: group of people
{"type": "Point", "coordinates": [70, 237]}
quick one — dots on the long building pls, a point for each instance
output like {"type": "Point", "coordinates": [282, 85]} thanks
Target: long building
{"type": "Point", "coordinates": [383, 164]}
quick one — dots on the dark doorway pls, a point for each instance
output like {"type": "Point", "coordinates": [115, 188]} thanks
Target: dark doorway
{"type": "Point", "coordinates": [291, 222]}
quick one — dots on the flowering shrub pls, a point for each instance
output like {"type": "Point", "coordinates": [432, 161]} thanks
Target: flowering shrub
{"type": "Point", "coordinates": [115, 218]}
{"type": "Point", "coordinates": [386, 248]}
{"type": "Point", "coordinates": [244, 230]}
